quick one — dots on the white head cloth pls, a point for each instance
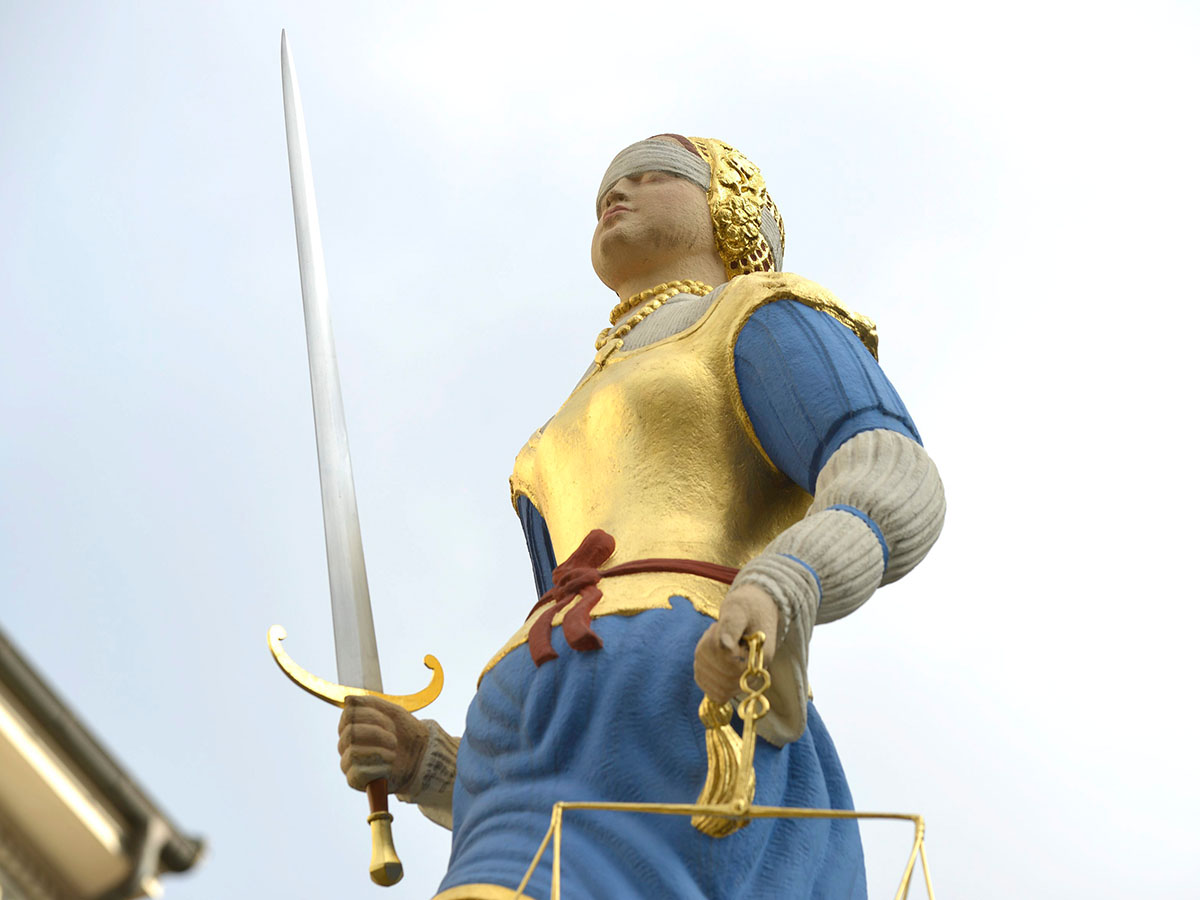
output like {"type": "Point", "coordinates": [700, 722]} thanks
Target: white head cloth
{"type": "Point", "coordinates": [665, 155]}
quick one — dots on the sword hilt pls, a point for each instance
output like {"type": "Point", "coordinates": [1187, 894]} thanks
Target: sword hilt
{"type": "Point", "coordinates": [386, 868]}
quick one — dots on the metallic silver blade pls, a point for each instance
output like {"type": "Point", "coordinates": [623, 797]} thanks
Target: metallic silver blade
{"type": "Point", "coordinates": [353, 626]}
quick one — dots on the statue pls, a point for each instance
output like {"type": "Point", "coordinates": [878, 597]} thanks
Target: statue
{"type": "Point", "coordinates": [733, 461]}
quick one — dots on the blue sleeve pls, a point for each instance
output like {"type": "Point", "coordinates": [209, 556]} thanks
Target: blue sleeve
{"type": "Point", "coordinates": [809, 385]}
{"type": "Point", "coordinates": [537, 538]}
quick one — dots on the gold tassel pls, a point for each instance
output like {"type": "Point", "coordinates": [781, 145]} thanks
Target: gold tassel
{"type": "Point", "coordinates": [724, 760]}
{"type": "Point", "coordinates": [730, 780]}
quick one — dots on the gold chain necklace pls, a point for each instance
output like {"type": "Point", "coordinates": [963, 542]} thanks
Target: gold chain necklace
{"type": "Point", "coordinates": [657, 295]}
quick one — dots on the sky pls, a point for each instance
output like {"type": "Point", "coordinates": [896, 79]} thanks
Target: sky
{"type": "Point", "coordinates": [1009, 190]}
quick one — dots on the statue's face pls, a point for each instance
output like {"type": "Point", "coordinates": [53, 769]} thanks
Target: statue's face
{"type": "Point", "coordinates": [647, 220]}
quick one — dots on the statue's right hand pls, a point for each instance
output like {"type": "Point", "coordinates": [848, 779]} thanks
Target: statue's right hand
{"type": "Point", "coordinates": [378, 739]}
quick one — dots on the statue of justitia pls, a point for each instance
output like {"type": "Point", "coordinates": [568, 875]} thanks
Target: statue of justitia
{"type": "Point", "coordinates": [732, 461]}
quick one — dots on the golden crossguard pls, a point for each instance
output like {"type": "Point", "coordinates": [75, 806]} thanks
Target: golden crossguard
{"type": "Point", "coordinates": [337, 693]}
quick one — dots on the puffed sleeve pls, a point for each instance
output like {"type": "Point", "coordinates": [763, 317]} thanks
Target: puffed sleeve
{"type": "Point", "coordinates": [809, 385]}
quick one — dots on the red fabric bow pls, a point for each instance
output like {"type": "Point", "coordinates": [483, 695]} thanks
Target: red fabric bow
{"type": "Point", "coordinates": [579, 576]}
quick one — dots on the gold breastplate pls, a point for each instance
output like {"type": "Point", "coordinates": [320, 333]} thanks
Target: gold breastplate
{"type": "Point", "coordinates": [656, 448]}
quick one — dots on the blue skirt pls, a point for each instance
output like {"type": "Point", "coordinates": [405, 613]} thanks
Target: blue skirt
{"type": "Point", "coordinates": [620, 724]}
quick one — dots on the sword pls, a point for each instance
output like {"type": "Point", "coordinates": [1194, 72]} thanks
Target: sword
{"type": "Point", "coordinates": [353, 626]}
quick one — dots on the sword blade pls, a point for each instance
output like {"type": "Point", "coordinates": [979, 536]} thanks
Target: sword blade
{"type": "Point", "coordinates": [353, 625]}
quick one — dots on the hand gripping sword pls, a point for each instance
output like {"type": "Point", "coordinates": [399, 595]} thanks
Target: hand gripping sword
{"type": "Point", "coordinates": [353, 627]}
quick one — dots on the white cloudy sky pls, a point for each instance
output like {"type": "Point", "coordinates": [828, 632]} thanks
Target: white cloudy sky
{"type": "Point", "coordinates": [1010, 190]}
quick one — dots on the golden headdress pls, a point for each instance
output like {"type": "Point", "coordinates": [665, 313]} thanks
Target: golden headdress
{"type": "Point", "coordinates": [747, 223]}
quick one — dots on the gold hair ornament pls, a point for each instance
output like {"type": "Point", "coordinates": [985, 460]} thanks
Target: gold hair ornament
{"type": "Point", "coordinates": [737, 197]}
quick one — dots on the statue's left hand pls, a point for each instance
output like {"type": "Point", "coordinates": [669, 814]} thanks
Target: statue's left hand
{"type": "Point", "coordinates": [720, 655]}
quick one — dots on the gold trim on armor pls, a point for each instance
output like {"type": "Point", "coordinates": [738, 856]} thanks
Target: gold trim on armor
{"type": "Point", "coordinates": [480, 892]}
{"type": "Point", "coordinates": [628, 596]}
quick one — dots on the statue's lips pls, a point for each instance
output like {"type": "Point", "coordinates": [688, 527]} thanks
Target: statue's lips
{"type": "Point", "coordinates": [612, 211]}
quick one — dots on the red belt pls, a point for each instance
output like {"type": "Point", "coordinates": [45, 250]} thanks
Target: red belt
{"type": "Point", "coordinates": [578, 576]}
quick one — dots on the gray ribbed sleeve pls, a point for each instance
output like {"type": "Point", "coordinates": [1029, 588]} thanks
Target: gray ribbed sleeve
{"type": "Point", "coordinates": [434, 782]}
{"type": "Point", "coordinates": [892, 480]}
{"type": "Point", "coordinates": [889, 478]}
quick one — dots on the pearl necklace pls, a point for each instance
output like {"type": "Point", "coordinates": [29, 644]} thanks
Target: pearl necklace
{"type": "Point", "coordinates": [657, 295]}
